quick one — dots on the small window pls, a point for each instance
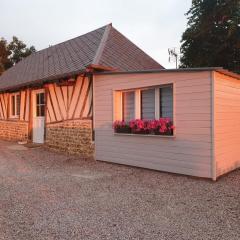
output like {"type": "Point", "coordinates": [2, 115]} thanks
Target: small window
{"type": "Point", "coordinates": [15, 105]}
{"type": "Point", "coordinates": [40, 105]}
{"type": "Point", "coordinates": [166, 102]}
{"type": "Point", "coordinates": [128, 106]}
{"type": "Point", "coordinates": [148, 104]}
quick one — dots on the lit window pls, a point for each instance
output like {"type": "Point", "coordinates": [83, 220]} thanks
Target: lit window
{"type": "Point", "coordinates": [128, 106]}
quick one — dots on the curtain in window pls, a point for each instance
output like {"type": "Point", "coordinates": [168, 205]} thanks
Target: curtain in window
{"type": "Point", "coordinates": [148, 104]}
{"type": "Point", "coordinates": [166, 102]}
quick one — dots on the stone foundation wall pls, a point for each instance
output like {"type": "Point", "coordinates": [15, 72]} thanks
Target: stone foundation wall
{"type": "Point", "coordinates": [13, 130]}
{"type": "Point", "coordinates": [72, 136]}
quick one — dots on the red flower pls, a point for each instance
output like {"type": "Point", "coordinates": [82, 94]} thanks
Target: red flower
{"type": "Point", "coordinates": [119, 124]}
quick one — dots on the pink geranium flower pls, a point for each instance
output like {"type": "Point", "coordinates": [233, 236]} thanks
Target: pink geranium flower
{"type": "Point", "coordinates": [163, 126]}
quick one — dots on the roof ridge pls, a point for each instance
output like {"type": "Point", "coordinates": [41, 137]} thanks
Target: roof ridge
{"type": "Point", "coordinates": [102, 45]}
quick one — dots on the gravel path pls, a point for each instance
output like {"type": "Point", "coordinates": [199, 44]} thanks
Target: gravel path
{"type": "Point", "coordinates": [45, 195]}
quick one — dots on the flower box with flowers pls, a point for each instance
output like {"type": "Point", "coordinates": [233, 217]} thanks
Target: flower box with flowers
{"type": "Point", "coordinates": [121, 127]}
{"type": "Point", "coordinates": [163, 126]}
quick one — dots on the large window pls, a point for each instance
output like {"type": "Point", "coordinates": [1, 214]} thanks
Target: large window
{"type": "Point", "coordinates": [148, 103]}
{"type": "Point", "coordinates": [15, 105]}
{"type": "Point", "coordinates": [144, 111]}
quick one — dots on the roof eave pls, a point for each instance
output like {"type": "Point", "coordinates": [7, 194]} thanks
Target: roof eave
{"type": "Point", "coordinates": [216, 69]}
{"type": "Point", "coordinates": [164, 70]}
{"type": "Point", "coordinates": [43, 81]}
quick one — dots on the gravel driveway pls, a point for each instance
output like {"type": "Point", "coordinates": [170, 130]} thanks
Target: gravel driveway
{"type": "Point", "coordinates": [45, 195]}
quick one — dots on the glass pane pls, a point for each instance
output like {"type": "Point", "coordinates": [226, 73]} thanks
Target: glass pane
{"type": "Point", "coordinates": [13, 105]}
{"type": "Point", "coordinates": [38, 111]}
{"type": "Point", "coordinates": [42, 101]}
{"type": "Point", "coordinates": [18, 105]}
{"type": "Point", "coordinates": [128, 106]}
{"type": "Point", "coordinates": [148, 104]}
{"type": "Point", "coordinates": [38, 98]}
{"type": "Point", "coordinates": [166, 102]}
{"type": "Point", "coordinates": [40, 106]}
{"type": "Point", "coordinates": [42, 110]}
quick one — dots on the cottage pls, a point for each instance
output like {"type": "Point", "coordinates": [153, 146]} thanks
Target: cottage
{"type": "Point", "coordinates": [70, 96]}
{"type": "Point", "coordinates": [47, 97]}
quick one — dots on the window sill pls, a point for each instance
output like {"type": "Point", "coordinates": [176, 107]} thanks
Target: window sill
{"type": "Point", "coordinates": [144, 135]}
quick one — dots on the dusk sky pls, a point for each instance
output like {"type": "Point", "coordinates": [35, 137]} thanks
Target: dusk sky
{"type": "Point", "coordinates": [153, 25]}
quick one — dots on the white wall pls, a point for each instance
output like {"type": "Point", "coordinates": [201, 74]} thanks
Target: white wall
{"type": "Point", "coordinates": [227, 123]}
{"type": "Point", "coordinates": [188, 153]}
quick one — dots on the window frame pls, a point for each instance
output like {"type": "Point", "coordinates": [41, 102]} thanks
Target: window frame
{"type": "Point", "coordinates": [15, 114]}
{"type": "Point", "coordinates": [138, 103]}
{"type": "Point", "coordinates": [173, 103]}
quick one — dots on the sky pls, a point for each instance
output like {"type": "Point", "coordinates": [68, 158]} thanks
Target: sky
{"type": "Point", "coordinates": [153, 25]}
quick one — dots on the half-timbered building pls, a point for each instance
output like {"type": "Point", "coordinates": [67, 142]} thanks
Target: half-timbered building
{"type": "Point", "coordinates": [48, 96]}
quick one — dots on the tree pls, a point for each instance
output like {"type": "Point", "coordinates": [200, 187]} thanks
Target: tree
{"type": "Point", "coordinates": [12, 53]}
{"type": "Point", "coordinates": [5, 62]}
{"type": "Point", "coordinates": [19, 50]}
{"type": "Point", "coordinates": [212, 37]}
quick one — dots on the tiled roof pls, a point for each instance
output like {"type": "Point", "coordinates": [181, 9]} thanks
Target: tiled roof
{"type": "Point", "coordinates": [104, 46]}
{"type": "Point", "coordinates": [122, 54]}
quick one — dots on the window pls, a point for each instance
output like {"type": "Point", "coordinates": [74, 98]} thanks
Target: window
{"type": "Point", "coordinates": [15, 105]}
{"type": "Point", "coordinates": [166, 101]}
{"type": "Point", "coordinates": [40, 105]}
{"type": "Point", "coordinates": [163, 108]}
{"type": "Point", "coordinates": [128, 106]}
{"type": "Point", "coordinates": [144, 111]}
{"type": "Point", "coordinates": [148, 104]}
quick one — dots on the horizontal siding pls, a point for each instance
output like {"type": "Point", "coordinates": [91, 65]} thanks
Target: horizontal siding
{"type": "Point", "coordinates": [189, 152]}
{"type": "Point", "coordinates": [227, 123]}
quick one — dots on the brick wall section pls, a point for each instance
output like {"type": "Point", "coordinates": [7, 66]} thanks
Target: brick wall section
{"type": "Point", "coordinates": [13, 130]}
{"type": "Point", "coordinates": [72, 136]}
